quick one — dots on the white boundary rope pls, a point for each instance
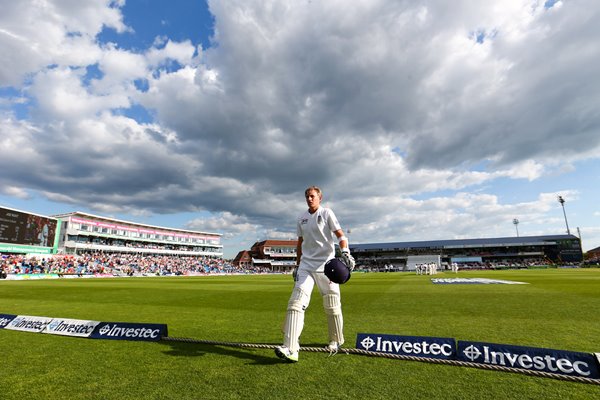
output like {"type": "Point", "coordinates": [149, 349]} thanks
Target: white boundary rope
{"type": "Point", "coordinates": [396, 356]}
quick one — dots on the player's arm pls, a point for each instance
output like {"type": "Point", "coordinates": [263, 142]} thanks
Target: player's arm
{"type": "Point", "coordinates": [299, 250]}
{"type": "Point", "coordinates": [346, 256]}
{"type": "Point", "coordinates": [343, 240]}
{"type": "Point", "coordinates": [298, 257]}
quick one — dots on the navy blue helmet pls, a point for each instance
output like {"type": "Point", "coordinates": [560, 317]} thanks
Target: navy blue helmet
{"type": "Point", "coordinates": [337, 271]}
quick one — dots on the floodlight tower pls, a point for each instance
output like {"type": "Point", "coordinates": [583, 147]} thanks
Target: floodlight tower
{"type": "Point", "coordinates": [562, 203]}
{"type": "Point", "coordinates": [516, 222]}
{"type": "Point", "coordinates": [580, 243]}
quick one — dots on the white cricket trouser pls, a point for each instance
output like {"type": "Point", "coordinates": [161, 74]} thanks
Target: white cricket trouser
{"type": "Point", "coordinates": [299, 301]}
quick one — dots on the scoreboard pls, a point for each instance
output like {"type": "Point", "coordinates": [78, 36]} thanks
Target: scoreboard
{"type": "Point", "coordinates": [19, 230]}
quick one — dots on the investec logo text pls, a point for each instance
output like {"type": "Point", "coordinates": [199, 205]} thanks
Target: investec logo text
{"type": "Point", "coordinates": [71, 327]}
{"type": "Point", "coordinates": [474, 281]}
{"type": "Point", "coordinates": [409, 346]}
{"type": "Point", "coordinates": [4, 321]}
{"type": "Point", "coordinates": [483, 354]}
{"type": "Point", "coordinates": [128, 332]}
{"type": "Point", "coordinates": [31, 324]}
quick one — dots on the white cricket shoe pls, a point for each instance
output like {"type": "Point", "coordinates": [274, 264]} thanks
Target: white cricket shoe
{"type": "Point", "coordinates": [286, 354]}
{"type": "Point", "coordinates": [332, 348]}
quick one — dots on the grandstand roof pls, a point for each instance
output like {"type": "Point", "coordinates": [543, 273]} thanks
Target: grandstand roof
{"type": "Point", "coordinates": [272, 242]}
{"type": "Point", "coordinates": [464, 243]}
{"type": "Point", "coordinates": [594, 250]}
{"type": "Point", "coordinates": [242, 255]}
{"type": "Point", "coordinates": [81, 213]}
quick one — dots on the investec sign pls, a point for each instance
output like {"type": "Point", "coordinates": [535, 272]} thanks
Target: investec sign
{"type": "Point", "coordinates": [485, 281]}
{"type": "Point", "coordinates": [84, 328]}
{"type": "Point", "coordinates": [418, 346]}
{"type": "Point", "coordinates": [71, 327]}
{"type": "Point", "coordinates": [5, 319]}
{"type": "Point", "coordinates": [530, 358]}
{"type": "Point", "coordinates": [129, 331]}
{"type": "Point", "coordinates": [28, 323]}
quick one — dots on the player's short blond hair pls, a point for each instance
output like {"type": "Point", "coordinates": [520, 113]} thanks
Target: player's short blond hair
{"type": "Point", "coordinates": [313, 188]}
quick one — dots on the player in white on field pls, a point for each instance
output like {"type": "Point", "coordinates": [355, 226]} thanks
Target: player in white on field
{"type": "Point", "coordinates": [318, 228]}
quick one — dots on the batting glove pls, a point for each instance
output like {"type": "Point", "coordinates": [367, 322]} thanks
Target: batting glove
{"type": "Point", "coordinates": [348, 259]}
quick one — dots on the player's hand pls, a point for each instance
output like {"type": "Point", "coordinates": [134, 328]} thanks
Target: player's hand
{"type": "Point", "coordinates": [348, 259]}
{"type": "Point", "coordinates": [295, 273]}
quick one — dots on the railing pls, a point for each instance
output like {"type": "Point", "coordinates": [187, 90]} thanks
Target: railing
{"type": "Point", "coordinates": [280, 254]}
{"type": "Point", "coordinates": [129, 249]}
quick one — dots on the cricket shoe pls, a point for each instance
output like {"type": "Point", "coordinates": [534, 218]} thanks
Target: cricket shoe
{"type": "Point", "coordinates": [333, 348]}
{"type": "Point", "coordinates": [286, 354]}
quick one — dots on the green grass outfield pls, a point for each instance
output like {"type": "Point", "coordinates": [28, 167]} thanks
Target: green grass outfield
{"type": "Point", "coordinates": [558, 309]}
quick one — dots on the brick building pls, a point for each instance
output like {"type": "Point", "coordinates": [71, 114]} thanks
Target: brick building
{"type": "Point", "coordinates": [275, 255]}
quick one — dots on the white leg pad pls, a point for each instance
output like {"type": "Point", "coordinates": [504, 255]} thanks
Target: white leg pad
{"type": "Point", "coordinates": [294, 319]}
{"type": "Point", "coordinates": [335, 320]}
{"type": "Point", "coordinates": [292, 328]}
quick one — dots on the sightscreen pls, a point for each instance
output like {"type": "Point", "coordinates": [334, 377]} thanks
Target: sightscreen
{"type": "Point", "coordinates": [17, 227]}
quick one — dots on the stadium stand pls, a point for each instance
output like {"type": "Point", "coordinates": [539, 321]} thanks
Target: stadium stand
{"type": "Point", "coordinates": [102, 264]}
{"type": "Point", "coordinates": [83, 233]}
{"type": "Point", "coordinates": [484, 253]}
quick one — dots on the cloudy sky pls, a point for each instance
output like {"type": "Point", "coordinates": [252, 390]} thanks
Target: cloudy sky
{"type": "Point", "coordinates": [419, 119]}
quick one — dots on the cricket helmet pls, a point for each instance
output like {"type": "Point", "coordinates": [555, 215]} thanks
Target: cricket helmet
{"type": "Point", "coordinates": [337, 271]}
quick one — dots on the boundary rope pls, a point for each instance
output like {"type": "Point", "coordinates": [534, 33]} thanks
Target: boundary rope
{"type": "Point", "coordinates": [544, 374]}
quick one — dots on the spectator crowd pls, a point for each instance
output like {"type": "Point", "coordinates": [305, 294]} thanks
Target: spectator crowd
{"type": "Point", "coordinates": [454, 266]}
{"type": "Point", "coordinates": [119, 265]}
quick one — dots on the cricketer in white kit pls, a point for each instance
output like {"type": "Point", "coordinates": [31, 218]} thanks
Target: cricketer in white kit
{"type": "Point", "coordinates": [318, 229]}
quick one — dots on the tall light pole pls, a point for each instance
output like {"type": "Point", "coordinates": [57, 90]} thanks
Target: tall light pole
{"type": "Point", "coordinates": [562, 203]}
{"type": "Point", "coordinates": [516, 222]}
{"type": "Point", "coordinates": [580, 243]}
{"type": "Point", "coordinates": [348, 232]}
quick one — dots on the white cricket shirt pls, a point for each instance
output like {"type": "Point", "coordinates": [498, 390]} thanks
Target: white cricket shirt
{"type": "Point", "coordinates": [318, 239]}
